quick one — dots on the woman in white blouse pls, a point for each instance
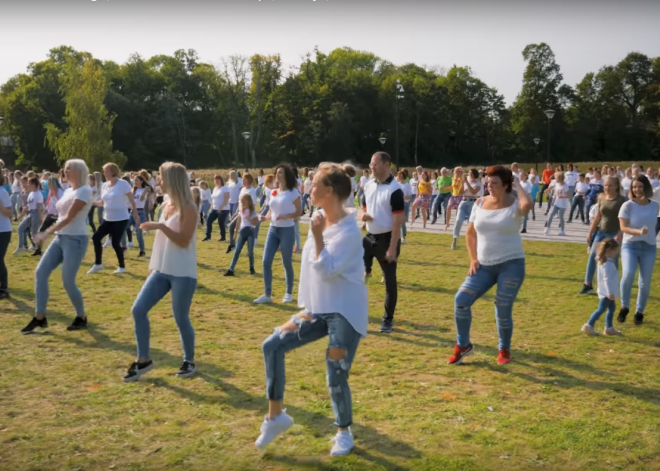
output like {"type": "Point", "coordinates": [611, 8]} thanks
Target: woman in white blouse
{"type": "Point", "coordinates": [234, 187]}
{"type": "Point", "coordinates": [497, 259]}
{"type": "Point", "coordinates": [334, 297]}
{"type": "Point", "coordinates": [173, 268]}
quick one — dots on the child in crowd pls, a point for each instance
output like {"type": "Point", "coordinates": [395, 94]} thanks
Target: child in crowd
{"type": "Point", "coordinates": [608, 288]}
{"type": "Point", "coordinates": [33, 208]}
{"type": "Point", "coordinates": [247, 220]}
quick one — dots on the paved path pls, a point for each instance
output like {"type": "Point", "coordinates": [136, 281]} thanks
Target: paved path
{"type": "Point", "coordinates": [576, 231]}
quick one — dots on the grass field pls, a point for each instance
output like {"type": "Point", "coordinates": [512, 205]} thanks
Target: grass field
{"type": "Point", "coordinates": [566, 402]}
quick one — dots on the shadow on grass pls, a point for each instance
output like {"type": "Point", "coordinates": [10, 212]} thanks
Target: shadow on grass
{"type": "Point", "coordinates": [293, 308]}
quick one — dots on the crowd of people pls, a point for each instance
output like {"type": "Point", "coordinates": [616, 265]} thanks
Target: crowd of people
{"type": "Point", "coordinates": [621, 208]}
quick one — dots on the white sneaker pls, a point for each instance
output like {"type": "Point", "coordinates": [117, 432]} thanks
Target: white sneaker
{"type": "Point", "coordinates": [130, 245]}
{"type": "Point", "coordinates": [587, 329]}
{"type": "Point", "coordinates": [119, 271]}
{"type": "Point", "coordinates": [382, 279]}
{"type": "Point", "coordinates": [287, 298]}
{"type": "Point", "coordinates": [270, 429]}
{"type": "Point", "coordinates": [19, 250]}
{"type": "Point", "coordinates": [561, 233]}
{"type": "Point", "coordinates": [547, 231]}
{"type": "Point", "coordinates": [611, 331]}
{"type": "Point", "coordinates": [95, 269]}
{"type": "Point", "coordinates": [263, 299]}
{"type": "Point", "coordinates": [108, 243]}
{"type": "Point", "coordinates": [403, 240]}
{"type": "Point", "coordinates": [343, 443]}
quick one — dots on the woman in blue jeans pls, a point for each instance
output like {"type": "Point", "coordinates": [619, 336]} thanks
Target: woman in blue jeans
{"type": "Point", "coordinates": [638, 218]}
{"type": "Point", "coordinates": [333, 296]}
{"type": "Point", "coordinates": [68, 247]}
{"type": "Point", "coordinates": [173, 268]}
{"type": "Point", "coordinates": [285, 208]}
{"type": "Point", "coordinates": [497, 258]}
{"type": "Point", "coordinates": [141, 192]}
{"type": "Point", "coordinates": [473, 190]}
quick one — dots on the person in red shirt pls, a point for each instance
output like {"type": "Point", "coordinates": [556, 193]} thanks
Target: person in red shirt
{"type": "Point", "coordinates": [546, 177]}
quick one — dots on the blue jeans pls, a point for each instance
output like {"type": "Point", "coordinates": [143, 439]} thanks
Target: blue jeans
{"type": "Point", "coordinates": [577, 202]}
{"type": "Point", "coordinates": [138, 231]}
{"type": "Point", "coordinates": [560, 212]}
{"type": "Point", "coordinates": [509, 277]}
{"type": "Point", "coordinates": [221, 216]}
{"type": "Point", "coordinates": [587, 207]}
{"type": "Point", "coordinates": [305, 201]}
{"type": "Point", "coordinates": [15, 198]}
{"type": "Point", "coordinates": [204, 210]}
{"type": "Point", "coordinates": [281, 237]}
{"type": "Point", "coordinates": [296, 227]}
{"type": "Point", "coordinates": [464, 211]}
{"type": "Point", "coordinates": [442, 199]}
{"type": "Point", "coordinates": [263, 212]}
{"type": "Point", "coordinates": [406, 212]}
{"type": "Point", "coordinates": [68, 251]}
{"type": "Point", "coordinates": [232, 209]}
{"type": "Point", "coordinates": [246, 235]}
{"type": "Point", "coordinates": [155, 289]}
{"type": "Point", "coordinates": [591, 263]}
{"type": "Point", "coordinates": [634, 254]}
{"type": "Point", "coordinates": [340, 334]}
{"type": "Point", "coordinates": [31, 222]}
{"type": "Point", "coordinates": [605, 304]}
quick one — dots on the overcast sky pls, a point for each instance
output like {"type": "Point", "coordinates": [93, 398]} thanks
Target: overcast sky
{"type": "Point", "coordinates": [488, 36]}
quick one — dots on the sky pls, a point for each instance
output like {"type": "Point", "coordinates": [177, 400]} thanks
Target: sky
{"type": "Point", "coordinates": [486, 35]}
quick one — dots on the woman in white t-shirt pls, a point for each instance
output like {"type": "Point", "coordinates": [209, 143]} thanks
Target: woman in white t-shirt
{"type": "Point", "coordinates": [234, 187]}
{"type": "Point", "coordinates": [560, 203]}
{"type": "Point", "coordinates": [115, 193]}
{"type": "Point", "coordinates": [269, 185]}
{"type": "Point", "coordinates": [473, 189]}
{"type": "Point", "coordinates": [219, 209]}
{"type": "Point", "coordinates": [497, 258]}
{"type": "Point", "coordinates": [54, 195]}
{"type": "Point", "coordinates": [526, 185]}
{"type": "Point", "coordinates": [285, 207]}
{"type": "Point", "coordinates": [141, 192]}
{"type": "Point", "coordinates": [206, 200]}
{"type": "Point", "coordinates": [247, 189]}
{"type": "Point", "coordinates": [247, 220]}
{"type": "Point", "coordinates": [68, 247]}
{"type": "Point", "coordinates": [6, 214]}
{"type": "Point", "coordinates": [34, 208]}
{"type": "Point", "coordinates": [173, 268]}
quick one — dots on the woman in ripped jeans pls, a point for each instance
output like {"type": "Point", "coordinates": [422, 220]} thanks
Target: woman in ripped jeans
{"type": "Point", "coordinates": [334, 297]}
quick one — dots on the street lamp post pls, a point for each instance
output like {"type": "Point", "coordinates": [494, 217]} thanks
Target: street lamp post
{"type": "Point", "coordinates": [399, 95]}
{"type": "Point", "coordinates": [536, 159]}
{"type": "Point", "coordinates": [549, 114]}
{"type": "Point", "coordinates": [382, 141]}
{"type": "Point", "coordinates": [246, 136]}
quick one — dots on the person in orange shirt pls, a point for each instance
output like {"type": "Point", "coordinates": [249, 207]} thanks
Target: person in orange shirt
{"type": "Point", "coordinates": [546, 177]}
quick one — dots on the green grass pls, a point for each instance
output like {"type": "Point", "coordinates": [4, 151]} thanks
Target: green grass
{"type": "Point", "coordinates": [567, 402]}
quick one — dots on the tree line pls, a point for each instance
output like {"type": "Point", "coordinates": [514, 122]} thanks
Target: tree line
{"type": "Point", "coordinates": [332, 106]}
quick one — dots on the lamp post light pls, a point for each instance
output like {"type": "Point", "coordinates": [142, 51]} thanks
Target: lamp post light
{"type": "Point", "coordinates": [246, 136]}
{"type": "Point", "coordinates": [399, 95]}
{"type": "Point", "coordinates": [536, 142]}
{"type": "Point", "coordinates": [549, 114]}
{"type": "Point", "coordinates": [382, 140]}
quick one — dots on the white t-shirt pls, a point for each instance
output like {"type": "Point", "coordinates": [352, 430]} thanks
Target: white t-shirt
{"type": "Point", "coordinates": [16, 187]}
{"type": "Point", "coordinates": [561, 190]}
{"type": "Point", "coordinates": [498, 234]}
{"type": "Point", "coordinates": [308, 186]}
{"type": "Point", "coordinates": [639, 216]}
{"type": "Point", "coordinates": [260, 179]}
{"type": "Point", "coordinates": [407, 191]}
{"type": "Point", "coordinates": [65, 186]}
{"type": "Point", "coordinates": [139, 203]}
{"type": "Point", "coordinates": [527, 186]}
{"type": "Point", "coordinates": [281, 202]}
{"type": "Point", "coordinates": [654, 182]}
{"type": "Point", "coordinates": [51, 203]}
{"type": "Point", "coordinates": [571, 178]}
{"type": "Point", "coordinates": [206, 194]}
{"type": "Point", "coordinates": [249, 191]}
{"type": "Point", "coordinates": [468, 194]}
{"type": "Point", "coordinates": [218, 198]}
{"type": "Point", "coordinates": [363, 181]}
{"type": "Point", "coordinates": [245, 218]}
{"type": "Point", "coordinates": [115, 200]}
{"type": "Point", "coordinates": [234, 192]}
{"type": "Point", "coordinates": [5, 201]}
{"type": "Point", "coordinates": [78, 226]}
{"type": "Point", "coordinates": [413, 185]}
{"type": "Point", "coordinates": [267, 192]}
{"type": "Point", "coordinates": [581, 188]}
{"type": "Point", "coordinates": [534, 179]}
{"type": "Point", "coordinates": [34, 199]}
{"type": "Point", "coordinates": [589, 175]}
{"type": "Point", "coordinates": [626, 184]}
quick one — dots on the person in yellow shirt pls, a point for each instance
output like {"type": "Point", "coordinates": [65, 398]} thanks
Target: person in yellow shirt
{"type": "Point", "coordinates": [423, 200]}
{"type": "Point", "coordinates": [457, 189]}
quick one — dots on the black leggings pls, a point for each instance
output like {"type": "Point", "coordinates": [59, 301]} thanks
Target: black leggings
{"type": "Point", "coordinates": [90, 218]}
{"type": "Point", "coordinates": [115, 229]}
{"type": "Point", "coordinates": [5, 238]}
{"type": "Point", "coordinates": [49, 220]}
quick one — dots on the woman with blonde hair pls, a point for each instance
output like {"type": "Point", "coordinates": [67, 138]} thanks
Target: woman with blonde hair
{"type": "Point", "coordinates": [457, 189]}
{"type": "Point", "coordinates": [173, 268]}
{"type": "Point", "coordinates": [560, 202]}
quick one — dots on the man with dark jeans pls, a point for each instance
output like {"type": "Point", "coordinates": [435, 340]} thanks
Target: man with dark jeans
{"type": "Point", "coordinates": [383, 206]}
{"type": "Point", "coordinates": [443, 183]}
{"type": "Point", "coordinates": [545, 183]}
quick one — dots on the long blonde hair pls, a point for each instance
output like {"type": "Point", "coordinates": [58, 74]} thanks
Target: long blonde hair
{"type": "Point", "coordinates": [247, 203]}
{"type": "Point", "coordinates": [176, 184]}
{"type": "Point", "coordinates": [603, 247]}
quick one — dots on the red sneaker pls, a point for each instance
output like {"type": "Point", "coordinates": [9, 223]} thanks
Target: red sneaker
{"type": "Point", "coordinates": [504, 357]}
{"type": "Point", "coordinates": [459, 354]}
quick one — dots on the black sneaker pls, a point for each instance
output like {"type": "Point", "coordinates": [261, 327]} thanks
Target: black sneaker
{"type": "Point", "coordinates": [206, 239]}
{"type": "Point", "coordinates": [222, 239]}
{"type": "Point", "coordinates": [78, 323]}
{"type": "Point", "coordinates": [142, 255]}
{"type": "Point", "coordinates": [586, 289]}
{"type": "Point", "coordinates": [229, 273]}
{"type": "Point", "coordinates": [230, 248]}
{"type": "Point", "coordinates": [252, 272]}
{"type": "Point", "coordinates": [639, 318]}
{"type": "Point", "coordinates": [187, 370]}
{"type": "Point", "coordinates": [136, 370]}
{"type": "Point", "coordinates": [569, 221]}
{"type": "Point", "coordinates": [4, 295]}
{"type": "Point", "coordinates": [524, 231]}
{"type": "Point", "coordinates": [386, 327]}
{"type": "Point", "coordinates": [37, 253]}
{"type": "Point", "coordinates": [623, 313]}
{"type": "Point", "coordinates": [35, 325]}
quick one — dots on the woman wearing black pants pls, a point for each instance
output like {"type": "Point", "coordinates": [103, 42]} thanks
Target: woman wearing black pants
{"type": "Point", "coordinates": [114, 194]}
{"type": "Point", "coordinates": [5, 236]}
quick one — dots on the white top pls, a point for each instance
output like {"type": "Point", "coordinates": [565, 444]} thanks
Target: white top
{"type": "Point", "coordinates": [250, 191]}
{"type": "Point", "coordinates": [51, 203]}
{"type": "Point", "coordinates": [281, 202]}
{"type": "Point", "coordinates": [608, 279]}
{"type": "Point", "coordinates": [561, 190]}
{"type": "Point", "coordinates": [363, 181]}
{"type": "Point", "coordinates": [78, 226]}
{"type": "Point", "coordinates": [260, 179]}
{"type": "Point", "coordinates": [139, 202]}
{"type": "Point", "coordinates": [527, 186]}
{"type": "Point", "coordinates": [382, 200]}
{"type": "Point", "coordinates": [413, 185]}
{"type": "Point", "coordinates": [350, 201]}
{"type": "Point", "coordinates": [334, 282]}
{"type": "Point", "coordinates": [16, 187]}
{"type": "Point", "coordinates": [654, 182]}
{"type": "Point", "coordinates": [581, 188]}
{"type": "Point", "coordinates": [589, 175]}
{"type": "Point", "coordinates": [625, 184]}
{"type": "Point", "coordinates": [169, 258]}
{"type": "Point", "coordinates": [639, 216]}
{"type": "Point", "coordinates": [245, 218]}
{"type": "Point", "coordinates": [115, 200]}
{"type": "Point", "coordinates": [656, 198]}
{"type": "Point", "coordinates": [571, 178]}
{"type": "Point", "coordinates": [65, 186]}
{"type": "Point", "coordinates": [218, 198]}
{"type": "Point", "coordinates": [498, 234]}
{"type": "Point", "coordinates": [267, 192]}
{"type": "Point", "coordinates": [468, 194]}
{"type": "Point", "coordinates": [307, 186]}
{"type": "Point", "coordinates": [35, 198]}
{"type": "Point", "coordinates": [5, 201]}
{"type": "Point", "coordinates": [407, 191]}
{"type": "Point", "coordinates": [533, 179]}
{"type": "Point", "coordinates": [234, 191]}
{"type": "Point", "coordinates": [206, 195]}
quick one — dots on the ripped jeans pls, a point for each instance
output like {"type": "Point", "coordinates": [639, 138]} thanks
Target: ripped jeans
{"type": "Point", "coordinates": [509, 277]}
{"type": "Point", "coordinates": [341, 334]}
